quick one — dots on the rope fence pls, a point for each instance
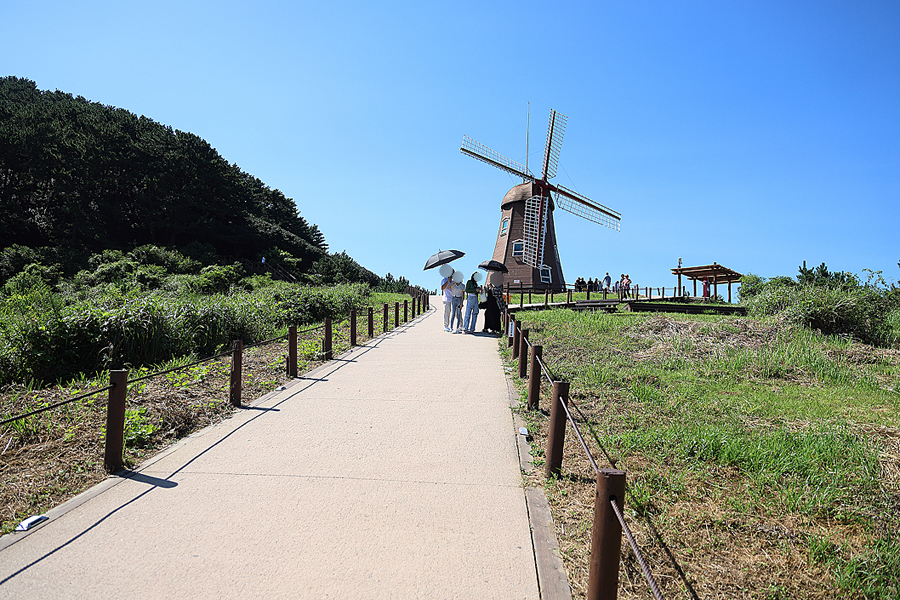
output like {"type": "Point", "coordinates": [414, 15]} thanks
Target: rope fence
{"type": "Point", "coordinates": [119, 382]}
{"type": "Point", "coordinates": [609, 523]}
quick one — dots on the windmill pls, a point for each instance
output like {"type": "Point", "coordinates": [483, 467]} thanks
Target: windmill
{"type": "Point", "coordinates": [526, 242]}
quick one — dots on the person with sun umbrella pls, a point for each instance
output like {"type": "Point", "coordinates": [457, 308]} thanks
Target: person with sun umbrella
{"type": "Point", "coordinates": [471, 303]}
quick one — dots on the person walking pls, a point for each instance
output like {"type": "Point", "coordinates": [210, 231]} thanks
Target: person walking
{"type": "Point", "coordinates": [607, 281]}
{"type": "Point", "coordinates": [471, 303]}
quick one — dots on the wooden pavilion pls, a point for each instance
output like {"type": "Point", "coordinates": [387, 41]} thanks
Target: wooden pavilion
{"type": "Point", "coordinates": [716, 274]}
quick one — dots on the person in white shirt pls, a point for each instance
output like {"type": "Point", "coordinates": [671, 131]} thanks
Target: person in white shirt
{"type": "Point", "coordinates": [456, 290]}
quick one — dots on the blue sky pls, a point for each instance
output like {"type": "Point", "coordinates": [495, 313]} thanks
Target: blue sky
{"type": "Point", "coordinates": [754, 134]}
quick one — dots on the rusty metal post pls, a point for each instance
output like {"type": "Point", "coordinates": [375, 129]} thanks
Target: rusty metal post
{"type": "Point", "coordinates": [556, 437]}
{"type": "Point", "coordinates": [523, 354]}
{"type": "Point", "coordinates": [352, 327]}
{"type": "Point", "coordinates": [115, 421]}
{"type": "Point", "coordinates": [292, 351]}
{"type": "Point", "coordinates": [385, 318]}
{"type": "Point", "coordinates": [534, 378]}
{"type": "Point", "coordinates": [237, 351]}
{"type": "Point", "coordinates": [606, 537]}
{"type": "Point", "coordinates": [396, 314]}
{"type": "Point", "coordinates": [517, 340]}
{"type": "Point", "coordinates": [405, 311]}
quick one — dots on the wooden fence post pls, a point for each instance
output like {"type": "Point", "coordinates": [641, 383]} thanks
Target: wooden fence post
{"type": "Point", "coordinates": [237, 350]}
{"type": "Point", "coordinates": [385, 319]}
{"type": "Point", "coordinates": [517, 340]}
{"type": "Point", "coordinates": [405, 311]}
{"type": "Point", "coordinates": [326, 341]}
{"type": "Point", "coordinates": [352, 327]}
{"type": "Point", "coordinates": [606, 537]}
{"type": "Point", "coordinates": [371, 322]}
{"type": "Point", "coordinates": [396, 314]}
{"type": "Point", "coordinates": [556, 437]}
{"type": "Point", "coordinates": [292, 351]}
{"type": "Point", "coordinates": [523, 354]}
{"type": "Point", "coordinates": [534, 378]}
{"type": "Point", "coordinates": [115, 421]}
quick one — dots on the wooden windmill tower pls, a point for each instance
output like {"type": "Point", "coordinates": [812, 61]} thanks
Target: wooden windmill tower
{"type": "Point", "coordinates": [526, 241]}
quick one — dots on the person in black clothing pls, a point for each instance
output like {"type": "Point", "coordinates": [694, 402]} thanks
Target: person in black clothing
{"type": "Point", "coordinates": [491, 307]}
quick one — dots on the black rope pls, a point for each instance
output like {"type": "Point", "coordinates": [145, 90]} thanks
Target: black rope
{"type": "Point", "coordinates": [545, 370]}
{"type": "Point", "coordinates": [580, 438]}
{"type": "Point", "coordinates": [264, 342]}
{"type": "Point", "coordinates": [197, 362]}
{"type": "Point", "coordinates": [637, 553]}
{"type": "Point", "coordinates": [57, 405]}
{"type": "Point", "coordinates": [594, 434]}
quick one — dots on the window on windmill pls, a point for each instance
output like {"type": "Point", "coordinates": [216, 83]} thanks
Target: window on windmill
{"type": "Point", "coordinates": [518, 249]}
{"type": "Point", "coordinates": [545, 275]}
{"type": "Point", "coordinates": [504, 226]}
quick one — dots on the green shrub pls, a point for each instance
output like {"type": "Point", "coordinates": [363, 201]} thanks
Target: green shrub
{"type": "Point", "coordinates": [48, 337]}
{"type": "Point", "coordinates": [172, 261]}
{"type": "Point", "coordinates": [217, 279]}
{"type": "Point", "coordinates": [862, 312]}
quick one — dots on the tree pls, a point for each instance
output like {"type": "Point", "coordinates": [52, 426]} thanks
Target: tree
{"type": "Point", "coordinates": [822, 276]}
{"type": "Point", "coordinates": [80, 175]}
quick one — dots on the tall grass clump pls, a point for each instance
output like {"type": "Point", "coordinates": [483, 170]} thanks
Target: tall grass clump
{"type": "Point", "coordinates": [867, 312]}
{"type": "Point", "coordinates": [47, 336]}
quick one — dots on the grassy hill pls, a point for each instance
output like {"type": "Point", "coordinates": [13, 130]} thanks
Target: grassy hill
{"type": "Point", "coordinates": [762, 457]}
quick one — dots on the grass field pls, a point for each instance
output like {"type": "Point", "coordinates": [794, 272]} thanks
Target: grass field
{"type": "Point", "coordinates": [763, 459]}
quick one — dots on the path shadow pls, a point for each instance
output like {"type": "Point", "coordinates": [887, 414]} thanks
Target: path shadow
{"type": "Point", "coordinates": [142, 478]}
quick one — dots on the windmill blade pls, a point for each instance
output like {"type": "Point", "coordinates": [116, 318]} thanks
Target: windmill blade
{"type": "Point", "coordinates": [556, 128]}
{"type": "Point", "coordinates": [535, 230]}
{"type": "Point", "coordinates": [483, 153]}
{"type": "Point", "coordinates": [575, 203]}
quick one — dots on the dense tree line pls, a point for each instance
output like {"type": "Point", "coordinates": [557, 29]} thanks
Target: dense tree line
{"type": "Point", "coordinates": [79, 177]}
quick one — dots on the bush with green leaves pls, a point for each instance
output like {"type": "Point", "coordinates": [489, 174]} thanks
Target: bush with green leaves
{"type": "Point", "coordinates": [865, 312]}
{"type": "Point", "coordinates": [218, 279]}
{"type": "Point", "coordinates": [45, 337]}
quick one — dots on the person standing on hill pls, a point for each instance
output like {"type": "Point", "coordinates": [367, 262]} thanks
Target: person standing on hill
{"type": "Point", "coordinates": [607, 281]}
{"type": "Point", "coordinates": [456, 291]}
{"type": "Point", "coordinates": [447, 293]}
{"type": "Point", "coordinates": [471, 303]}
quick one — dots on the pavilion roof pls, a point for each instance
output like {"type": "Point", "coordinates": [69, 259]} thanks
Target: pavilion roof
{"type": "Point", "coordinates": [716, 273]}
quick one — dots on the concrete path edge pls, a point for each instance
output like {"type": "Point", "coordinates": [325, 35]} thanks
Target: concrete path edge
{"type": "Point", "coordinates": [552, 581]}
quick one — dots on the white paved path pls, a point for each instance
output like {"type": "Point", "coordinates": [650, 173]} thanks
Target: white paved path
{"type": "Point", "coordinates": [391, 472]}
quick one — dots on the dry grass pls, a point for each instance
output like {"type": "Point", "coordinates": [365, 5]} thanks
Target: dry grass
{"type": "Point", "coordinates": [708, 531]}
